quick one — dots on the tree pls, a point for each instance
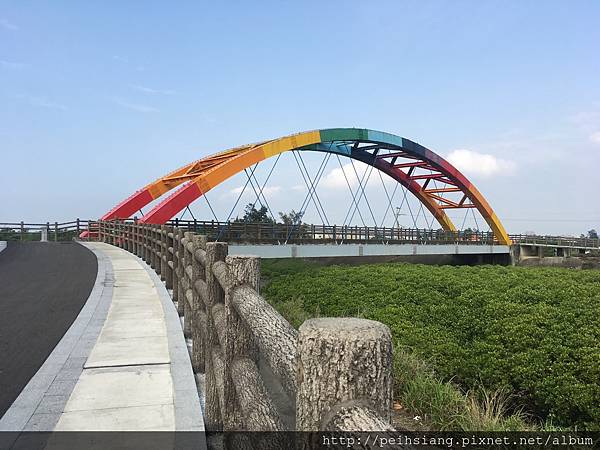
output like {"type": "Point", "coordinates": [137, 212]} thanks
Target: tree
{"type": "Point", "coordinates": [592, 234]}
{"type": "Point", "coordinates": [291, 218]}
{"type": "Point", "coordinates": [253, 215]}
{"type": "Point", "coordinates": [467, 233]}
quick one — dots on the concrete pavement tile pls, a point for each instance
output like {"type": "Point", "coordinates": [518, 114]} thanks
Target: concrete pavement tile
{"type": "Point", "coordinates": [140, 418]}
{"type": "Point", "coordinates": [133, 351]}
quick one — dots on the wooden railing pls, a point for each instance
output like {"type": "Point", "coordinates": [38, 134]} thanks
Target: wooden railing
{"type": "Point", "coordinates": [556, 241]}
{"type": "Point", "coordinates": [306, 233]}
{"type": "Point", "coordinates": [261, 374]}
{"type": "Point", "coordinates": [55, 231]}
{"type": "Point", "coordinates": [277, 233]}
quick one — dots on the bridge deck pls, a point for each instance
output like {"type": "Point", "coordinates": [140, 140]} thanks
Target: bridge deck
{"type": "Point", "coordinates": [334, 250]}
{"type": "Point", "coordinates": [123, 365]}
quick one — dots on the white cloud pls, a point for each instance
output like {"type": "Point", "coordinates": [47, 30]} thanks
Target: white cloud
{"type": "Point", "coordinates": [595, 137]}
{"type": "Point", "coordinates": [11, 64]}
{"type": "Point", "coordinates": [335, 179]}
{"type": "Point", "coordinates": [268, 190]}
{"type": "Point", "coordinates": [148, 90]}
{"type": "Point", "coordinates": [480, 164]}
{"type": "Point", "coordinates": [42, 102]}
{"type": "Point", "coordinates": [135, 106]}
{"type": "Point", "coordinates": [585, 119]}
{"type": "Point", "coordinates": [271, 190]}
{"type": "Point", "coordinates": [7, 25]}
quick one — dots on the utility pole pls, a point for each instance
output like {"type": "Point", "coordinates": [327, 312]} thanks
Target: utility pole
{"type": "Point", "coordinates": [396, 215]}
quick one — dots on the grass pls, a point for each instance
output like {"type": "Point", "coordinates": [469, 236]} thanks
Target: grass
{"type": "Point", "coordinates": [490, 347]}
{"type": "Point", "coordinates": [442, 405]}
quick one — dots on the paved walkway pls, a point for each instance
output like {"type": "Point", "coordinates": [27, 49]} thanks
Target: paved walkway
{"type": "Point", "coordinates": [123, 365]}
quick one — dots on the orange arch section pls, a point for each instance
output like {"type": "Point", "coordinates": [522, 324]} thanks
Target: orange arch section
{"type": "Point", "coordinates": [419, 169]}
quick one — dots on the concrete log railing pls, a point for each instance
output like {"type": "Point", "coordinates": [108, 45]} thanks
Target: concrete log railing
{"type": "Point", "coordinates": [260, 373]}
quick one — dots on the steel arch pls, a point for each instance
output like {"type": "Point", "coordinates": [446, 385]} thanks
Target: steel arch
{"type": "Point", "coordinates": [409, 163]}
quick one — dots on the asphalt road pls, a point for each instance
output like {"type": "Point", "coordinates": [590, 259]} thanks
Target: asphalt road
{"type": "Point", "coordinates": [43, 286]}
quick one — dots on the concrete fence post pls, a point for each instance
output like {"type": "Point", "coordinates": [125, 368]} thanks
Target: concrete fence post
{"type": "Point", "coordinates": [133, 235]}
{"type": "Point", "coordinates": [119, 234]}
{"type": "Point", "coordinates": [144, 239]}
{"type": "Point", "coordinates": [215, 251]}
{"type": "Point", "coordinates": [176, 264]}
{"type": "Point", "coordinates": [169, 257]}
{"type": "Point", "coordinates": [181, 286]}
{"type": "Point", "coordinates": [156, 247]}
{"type": "Point", "coordinates": [239, 341]}
{"type": "Point", "coordinates": [147, 238]}
{"type": "Point", "coordinates": [150, 245]}
{"type": "Point", "coordinates": [198, 322]}
{"type": "Point", "coordinates": [163, 253]}
{"type": "Point", "coordinates": [341, 362]}
{"type": "Point", "coordinates": [143, 243]}
{"type": "Point", "coordinates": [156, 243]}
{"type": "Point", "coordinates": [125, 236]}
{"type": "Point", "coordinates": [188, 286]}
{"type": "Point", "coordinates": [140, 241]}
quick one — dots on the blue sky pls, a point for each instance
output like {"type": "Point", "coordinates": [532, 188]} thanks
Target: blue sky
{"type": "Point", "coordinates": [97, 99]}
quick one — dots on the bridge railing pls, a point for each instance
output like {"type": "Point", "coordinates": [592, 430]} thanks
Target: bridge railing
{"type": "Point", "coordinates": [263, 233]}
{"type": "Point", "coordinates": [278, 233]}
{"type": "Point", "coordinates": [55, 231]}
{"type": "Point", "coordinates": [261, 374]}
{"type": "Point", "coordinates": [238, 231]}
{"type": "Point", "coordinates": [556, 241]}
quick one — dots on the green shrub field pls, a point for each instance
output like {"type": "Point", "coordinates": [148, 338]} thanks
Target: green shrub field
{"type": "Point", "coordinates": [532, 332]}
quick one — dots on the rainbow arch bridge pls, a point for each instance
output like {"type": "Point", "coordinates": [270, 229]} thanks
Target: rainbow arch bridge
{"type": "Point", "coordinates": [436, 183]}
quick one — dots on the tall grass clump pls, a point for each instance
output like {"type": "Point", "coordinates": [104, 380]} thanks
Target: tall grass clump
{"type": "Point", "coordinates": [443, 406]}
